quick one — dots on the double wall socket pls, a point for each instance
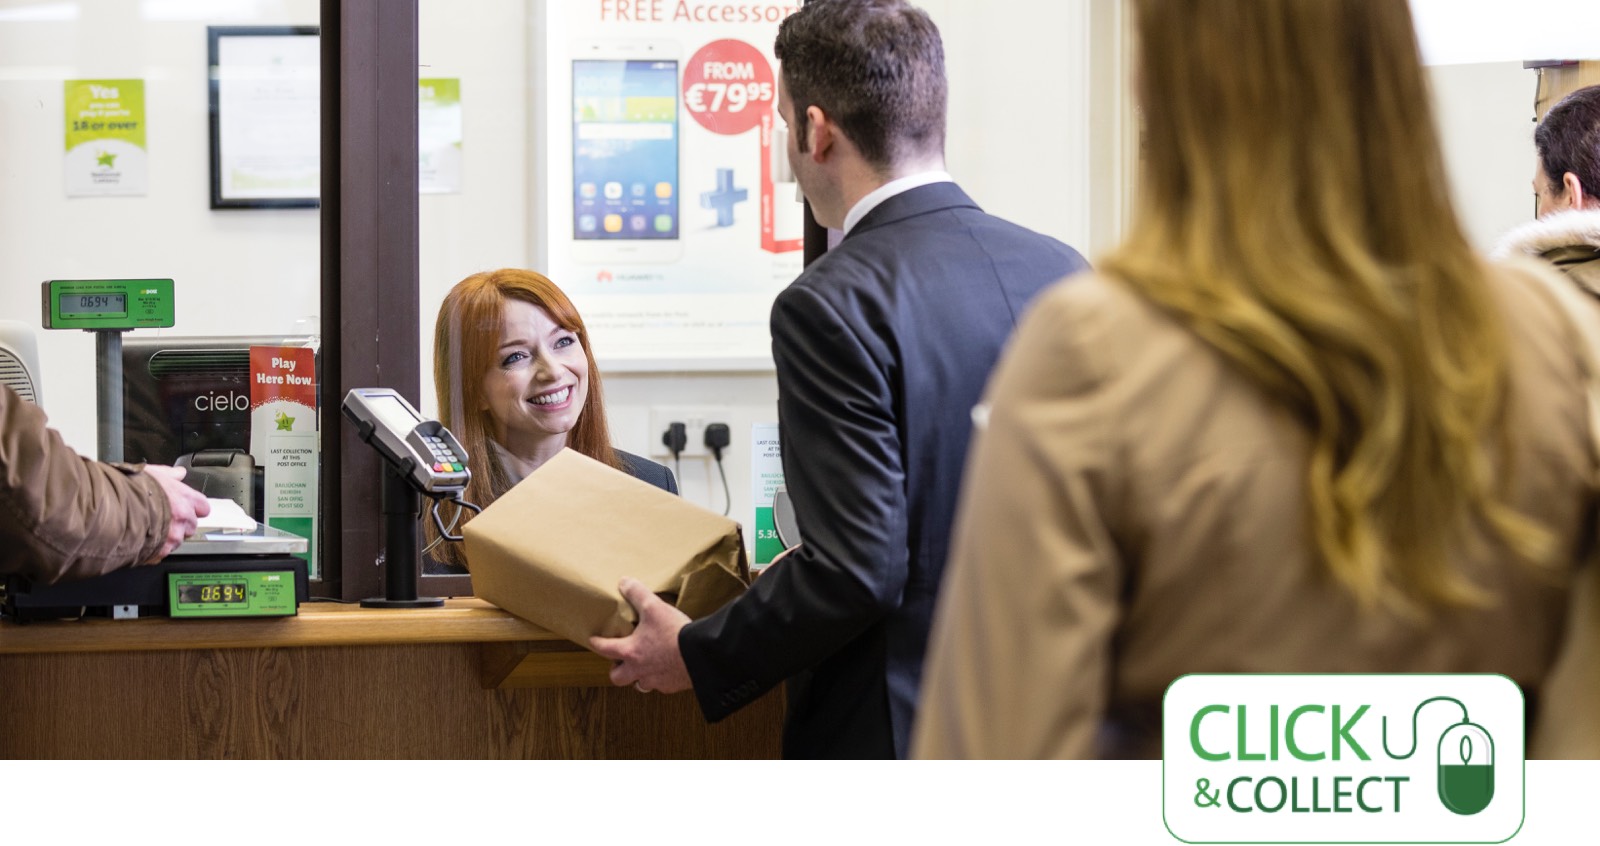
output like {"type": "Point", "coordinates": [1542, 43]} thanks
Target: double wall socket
{"type": "Point", "coordinates": [694, 419]}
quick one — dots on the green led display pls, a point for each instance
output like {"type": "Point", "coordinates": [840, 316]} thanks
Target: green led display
{"type": "Point", "coordinates": [107, 304]}
{"type": "Point", "coordinates": [266, 593]}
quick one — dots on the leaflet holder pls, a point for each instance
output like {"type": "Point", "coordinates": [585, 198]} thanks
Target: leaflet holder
{"type": "Point", "coordinates": [421, 458]}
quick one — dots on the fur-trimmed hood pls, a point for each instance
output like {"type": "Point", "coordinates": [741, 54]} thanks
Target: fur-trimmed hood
{"type": "Point", "coordinates": [1573, 228]}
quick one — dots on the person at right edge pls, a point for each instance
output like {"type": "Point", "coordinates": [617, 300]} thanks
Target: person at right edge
{"type": "Point", "coordinates": [882, 348]}
{"type": "Point", "coordinates": [1292, 424]}
{"type": "Point", "coordinates": [1566, 185]}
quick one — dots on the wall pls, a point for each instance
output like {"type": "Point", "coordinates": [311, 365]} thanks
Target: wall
{"type": "Point", "coordinates": [1020, 83]}
{"type": "Point", "coordinates": [1485, 115]}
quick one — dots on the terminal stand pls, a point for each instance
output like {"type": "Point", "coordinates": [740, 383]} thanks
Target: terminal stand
{"type": "Point", "coordinates": [402, 509]}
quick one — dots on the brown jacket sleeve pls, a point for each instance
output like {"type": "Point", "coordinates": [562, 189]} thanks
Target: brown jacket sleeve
{"type": "Point", "coordinates": [63, 516]}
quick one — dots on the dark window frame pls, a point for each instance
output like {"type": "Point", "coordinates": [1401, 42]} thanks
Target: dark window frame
{"type": "Point", "coordinates": [370, 268]}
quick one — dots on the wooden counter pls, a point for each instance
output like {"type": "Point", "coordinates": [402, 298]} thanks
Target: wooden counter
{"type": "Point", "coordinates": [338, 681]}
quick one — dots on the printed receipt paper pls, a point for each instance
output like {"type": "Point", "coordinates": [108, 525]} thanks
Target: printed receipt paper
{"type": "Point", "coordinates": [553, 548]}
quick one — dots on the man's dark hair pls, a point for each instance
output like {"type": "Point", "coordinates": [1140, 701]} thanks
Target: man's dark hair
{"type": "Point", "coordinates": [875, 67]}
{"type": "Point", "coordinates": [1568, 140]}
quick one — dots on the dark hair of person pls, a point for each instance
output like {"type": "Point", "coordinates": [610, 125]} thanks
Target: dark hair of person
{"type": "Point", "coordinates": [1568, 140]}
{"type": "Point", "coordinates": [875, 67]}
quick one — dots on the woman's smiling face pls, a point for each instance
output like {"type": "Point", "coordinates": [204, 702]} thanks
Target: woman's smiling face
{"type": "Point", "coordinates": [539, 383]}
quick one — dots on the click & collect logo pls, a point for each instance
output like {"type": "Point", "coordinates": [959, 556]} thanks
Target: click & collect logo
{"type": "Point", "coordinates": [1343, 759]}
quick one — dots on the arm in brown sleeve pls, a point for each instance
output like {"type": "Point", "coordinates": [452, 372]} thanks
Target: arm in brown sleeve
{"type": "Point", "coordinates": [63, 516]}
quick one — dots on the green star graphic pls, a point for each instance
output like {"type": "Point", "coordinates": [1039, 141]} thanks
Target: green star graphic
{"type": "Point", "coordinates": [285, 422]}
{"type": "Point", "coordinates": [106, 159]}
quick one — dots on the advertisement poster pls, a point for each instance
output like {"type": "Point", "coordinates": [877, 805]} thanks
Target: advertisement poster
{"type": "Point", "coordinates": [283, 439]}
{"type": "Point", "coordinates": [439, 136]}
{"type": "Point", "coordinates": [106, 153]}
{"type": "Point", "coordinates": [672, 216]}
{"type": "Point", "coordinates": [766, 476]}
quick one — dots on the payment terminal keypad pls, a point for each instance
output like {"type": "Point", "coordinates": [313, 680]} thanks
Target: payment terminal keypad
{"type": "Point", "coordinates": [444, 458]}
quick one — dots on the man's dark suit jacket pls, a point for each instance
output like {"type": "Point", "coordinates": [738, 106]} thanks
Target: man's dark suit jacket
{"type": "Point", "coordinates": [883, 347]}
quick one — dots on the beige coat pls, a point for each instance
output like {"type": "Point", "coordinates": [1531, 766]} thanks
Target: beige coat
{"type": "Point", "coordinates": [1135, 511]}
{"type": "Point", "coordinates": [63, 516]}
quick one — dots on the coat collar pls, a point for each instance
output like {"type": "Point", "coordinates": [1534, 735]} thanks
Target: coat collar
{"type": "Point", "coordinates": [917, 201]}
{"type": "Point", "coordinates": [1552, 233]}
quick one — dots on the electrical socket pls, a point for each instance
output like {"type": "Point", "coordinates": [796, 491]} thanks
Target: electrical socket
{"type": "Point", "coordinates": [694, 419]}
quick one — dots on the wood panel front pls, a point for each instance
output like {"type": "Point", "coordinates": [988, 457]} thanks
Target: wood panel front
{"type": "Point", "coordinates": [394, 701]}
{"type": "Point", "coordinates": [337, 681]}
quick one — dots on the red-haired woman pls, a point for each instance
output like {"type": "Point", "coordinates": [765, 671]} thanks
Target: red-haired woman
{"type": "Point", "coordinates": [517, 383]}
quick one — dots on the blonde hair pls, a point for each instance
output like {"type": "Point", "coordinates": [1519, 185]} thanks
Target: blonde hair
{"type": "Point", "coordinates": [466, 337]}
{"type": "Point", "coordinates": [1295, 215]}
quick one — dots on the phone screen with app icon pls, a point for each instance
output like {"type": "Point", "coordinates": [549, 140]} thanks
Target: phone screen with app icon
{"type": "Point", "coordinates": [624, 150]}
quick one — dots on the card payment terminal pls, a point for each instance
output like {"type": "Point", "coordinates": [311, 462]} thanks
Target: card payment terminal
{"type": "Point", "coordinates": [423, 459]}
{"type": "Point", "coordinates": [423, 451]}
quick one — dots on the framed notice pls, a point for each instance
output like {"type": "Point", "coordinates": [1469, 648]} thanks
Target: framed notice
{"type": "Point", "coordinates": [265, 119]}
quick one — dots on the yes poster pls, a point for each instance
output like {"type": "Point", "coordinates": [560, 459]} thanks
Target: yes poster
{"type": "Point", "coordinates": [283, 439]}
{"type": "Point", "coordinates": [106, 154]}
{"type": "Point", "coordinates": [439, 135]}
{"type": "Point", "coordinates": [672, 218]}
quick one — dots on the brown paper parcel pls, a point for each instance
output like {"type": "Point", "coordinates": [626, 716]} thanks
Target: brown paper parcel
{"type": "Point", "coordinates": [554, 547]}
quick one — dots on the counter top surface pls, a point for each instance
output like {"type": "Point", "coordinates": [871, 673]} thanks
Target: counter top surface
{"type": "Point", "coordinates": [318, 624]}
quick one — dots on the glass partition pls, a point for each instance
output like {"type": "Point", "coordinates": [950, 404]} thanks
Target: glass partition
{"type": "Point", "coordinates": [168, 330]}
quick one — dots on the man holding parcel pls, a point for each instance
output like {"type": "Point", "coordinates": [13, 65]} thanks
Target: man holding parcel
{"type": "Point", "coordinates": [882, 349]}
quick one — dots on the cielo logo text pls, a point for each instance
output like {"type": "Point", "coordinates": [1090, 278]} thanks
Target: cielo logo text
{"type": "Point", "coordinates": [1277, 758]}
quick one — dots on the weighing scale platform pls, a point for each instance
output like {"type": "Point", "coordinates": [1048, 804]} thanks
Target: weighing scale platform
{"type": "Point", "coordinates": [219, 574]}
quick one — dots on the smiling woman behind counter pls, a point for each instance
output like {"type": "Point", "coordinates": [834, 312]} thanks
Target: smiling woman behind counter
{"type": "Point", "coordinates": [517, 383]}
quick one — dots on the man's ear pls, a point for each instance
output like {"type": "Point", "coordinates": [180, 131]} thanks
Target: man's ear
{"type": "Point", "coordinates": [821, 134]}
{"type": "Point", "coordinates": [1574, 193]}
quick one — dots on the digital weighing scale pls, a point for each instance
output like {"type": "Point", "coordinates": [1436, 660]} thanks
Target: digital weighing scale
{"type": "Point", "coordinates": [108, 307]}
{"type": "Point", "coordinates": [217, 573]}
{"type": "Point", "coordinates": [211, 575]}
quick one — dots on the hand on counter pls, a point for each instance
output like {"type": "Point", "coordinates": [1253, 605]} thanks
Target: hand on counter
{"type": "Point", "coordinates": [188, 505]}
{"type": "Point", "coordinates": [649, 658]}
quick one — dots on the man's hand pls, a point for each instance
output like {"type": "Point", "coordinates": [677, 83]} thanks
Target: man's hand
{"type": "Point", "coordinates": [188, 505]}
{"type": "Point", "coordinates": [649, 658]}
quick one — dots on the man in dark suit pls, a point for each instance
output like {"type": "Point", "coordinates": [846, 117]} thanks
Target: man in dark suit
{"type": "Point", "coordinates": [882, 348]}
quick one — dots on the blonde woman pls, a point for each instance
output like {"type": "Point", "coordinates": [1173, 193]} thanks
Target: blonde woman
{"type": "Point", "coordinates": [1293, 425]}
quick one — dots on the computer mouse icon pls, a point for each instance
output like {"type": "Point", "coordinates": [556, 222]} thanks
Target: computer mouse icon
{"type": "Point", "coordinates": [1466, 768]}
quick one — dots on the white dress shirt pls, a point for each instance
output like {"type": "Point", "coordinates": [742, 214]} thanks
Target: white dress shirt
{"type": "Point", "coordinates": [889, 189]}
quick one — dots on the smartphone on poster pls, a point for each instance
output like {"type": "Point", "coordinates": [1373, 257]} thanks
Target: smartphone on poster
{"type": "Point", "coordinates": [625, 152]}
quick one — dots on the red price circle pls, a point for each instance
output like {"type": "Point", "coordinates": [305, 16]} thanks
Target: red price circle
{"type": "Point", "coordinates": [728, 86]}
